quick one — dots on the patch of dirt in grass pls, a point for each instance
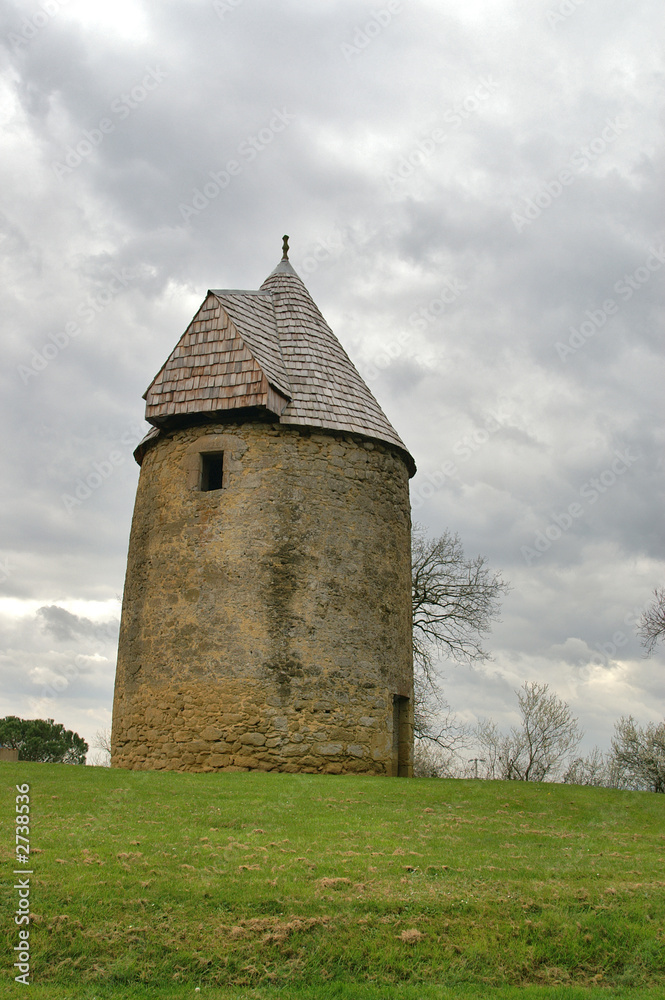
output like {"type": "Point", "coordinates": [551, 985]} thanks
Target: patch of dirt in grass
{"type": "Point", "coordinates": [333, 883]}
{"type": "Point", "coordinates": [411, 936]}
{"type": "Point", "coordinates": [271, 929]}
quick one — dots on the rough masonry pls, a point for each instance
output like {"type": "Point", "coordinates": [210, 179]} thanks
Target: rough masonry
{"type": "Point", "coordinates": [266, 618]}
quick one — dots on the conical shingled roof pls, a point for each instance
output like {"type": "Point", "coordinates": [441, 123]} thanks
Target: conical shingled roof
{"type": "Point", "coordinates": [270, 348]}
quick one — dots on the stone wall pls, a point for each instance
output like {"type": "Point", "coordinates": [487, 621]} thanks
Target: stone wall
{"type": "Point", "coordinates": [267, 624]}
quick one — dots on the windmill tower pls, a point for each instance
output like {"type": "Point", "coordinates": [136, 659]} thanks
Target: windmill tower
{"type": "Point", "coordinates": [266, 620]}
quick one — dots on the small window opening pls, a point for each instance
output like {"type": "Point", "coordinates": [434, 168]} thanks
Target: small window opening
{"type": "Point", "coordinates": [212, 466]}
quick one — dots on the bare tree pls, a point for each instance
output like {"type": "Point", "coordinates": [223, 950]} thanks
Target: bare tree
{"type": "Point", "coordinates": [594, 769]}
{"type": "Point", "coordinates": [439, 736]}
{"type": "Point", "coordinates": [639, 753]}
{"type": "Point", "coordinates": [430, 761]}
{"type": "Point", "coordinates": [536, 750]}
{"type": "Point", "coordinates": [434, 720]}
{"type": "Point", "coordinates": [493, 747]}
{"type": "Point", "coordinates": [102, 743]}
{"type": "Point", "coordinates": [651, 626]}
{"type": "Point", "coordinates": [550, 733]}
{"type": "Point", "coordinates": [455, 600]}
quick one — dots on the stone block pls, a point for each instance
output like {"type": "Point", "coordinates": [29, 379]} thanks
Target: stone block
{"type": "Point", "coordinates": [248, 762]}
{"type": "Point", "coordinates": [253, 739]}
{"type": "Point", "coordinates": [292, 750]}
{"type": "Point", "coordinates": [212, 733]}
{"type": "Point", "coordinates": [327, 749]}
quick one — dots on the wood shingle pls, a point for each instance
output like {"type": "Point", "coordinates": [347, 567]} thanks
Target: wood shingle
{"type": "Point", "coordinates": [270, 348]}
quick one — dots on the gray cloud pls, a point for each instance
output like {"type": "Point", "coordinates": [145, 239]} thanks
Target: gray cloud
{"type": "Point", "coordinates": [397, 178]}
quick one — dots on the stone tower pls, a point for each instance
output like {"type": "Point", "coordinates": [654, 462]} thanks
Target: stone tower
{"type": "Point", "coordinates": [266, 619]}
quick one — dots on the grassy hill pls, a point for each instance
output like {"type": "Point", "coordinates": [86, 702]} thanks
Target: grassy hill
{"type": "Point", "coordinates": [272, 885]}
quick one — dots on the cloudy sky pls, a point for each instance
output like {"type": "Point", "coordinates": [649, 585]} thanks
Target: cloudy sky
{"type": "Point", "coordinates": [474, 196]}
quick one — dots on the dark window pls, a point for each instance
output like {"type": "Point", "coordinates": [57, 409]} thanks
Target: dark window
{"type": "Point", "coordinates": [211, 471]}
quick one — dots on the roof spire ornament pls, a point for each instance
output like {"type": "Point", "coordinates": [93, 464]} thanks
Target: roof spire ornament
{"type": "Point", "coordinates": [285, 248]}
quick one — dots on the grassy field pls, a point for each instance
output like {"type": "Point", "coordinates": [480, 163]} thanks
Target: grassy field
{"type": "Point", "coordinates": [149, 885]}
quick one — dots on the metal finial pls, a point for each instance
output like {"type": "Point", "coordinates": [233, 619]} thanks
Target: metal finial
{"type": "Point", "coordinates": [285, 248]}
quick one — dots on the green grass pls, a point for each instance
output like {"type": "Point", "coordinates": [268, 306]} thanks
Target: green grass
{"type": "Point", "coordinates": [148, 885]}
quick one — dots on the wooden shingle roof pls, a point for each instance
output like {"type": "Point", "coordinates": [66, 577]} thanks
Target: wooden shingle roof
{"type": "Point", "coordinates": [269, 348]}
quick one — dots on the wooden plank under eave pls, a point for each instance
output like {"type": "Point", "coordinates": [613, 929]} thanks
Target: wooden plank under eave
{"type": "Point", "coordinates": [274, 401]}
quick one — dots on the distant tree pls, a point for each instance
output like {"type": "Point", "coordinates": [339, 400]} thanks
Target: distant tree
{"type": "Point", "coordinates": [42, 740]}
{"type": "Point", "coordinates": [594, 769]}
{"type": "Point", "coordinates": [651, 625]}
{"type": "Point", "coordinates": [639, 753]}
{"type": "Point", "coordinates": [494, 747]}
{"type": "Point", "coordinates": [102, 744]}
{"type": "Point", "coordinates": [430, 761]}
{"type": "Point", "coordinates": [435, 722]}
{"type": "Point", "coordinates": [538, 749]}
